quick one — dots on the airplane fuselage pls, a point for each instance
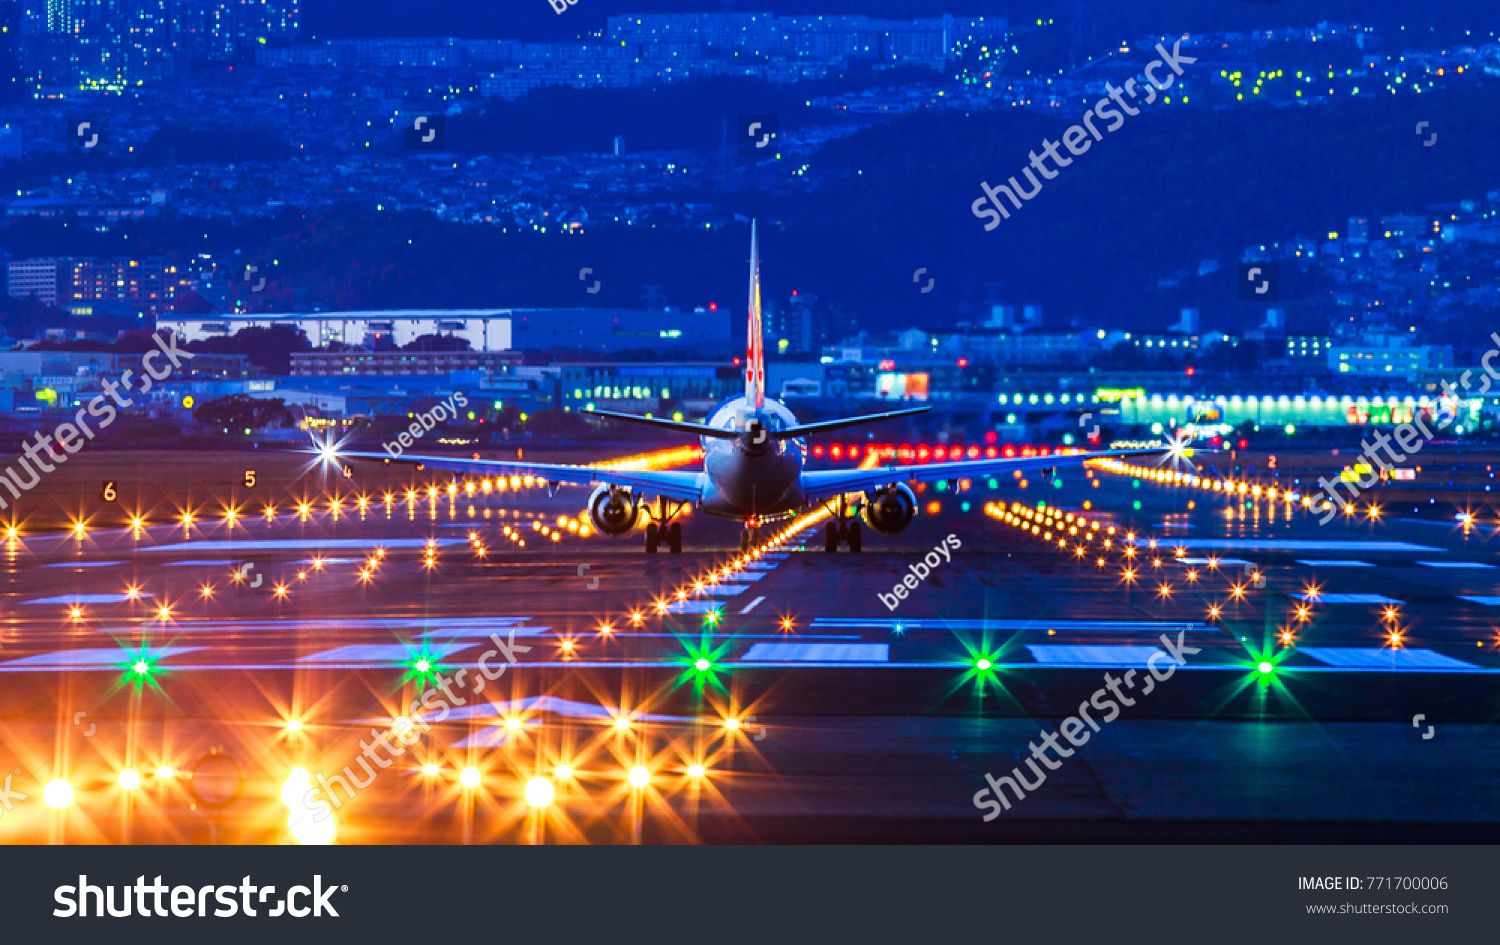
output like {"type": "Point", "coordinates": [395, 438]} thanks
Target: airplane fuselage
{"type": "Point", "coordinates": [748, 480]}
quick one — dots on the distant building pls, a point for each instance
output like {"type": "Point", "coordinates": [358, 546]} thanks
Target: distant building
{"type": "Point", "coordinates": [497, 329]}
{"type": "Point", "coordinates": [1403, 362]}
{"type": "Point", "coordinates": [398, 363]}
{"type": "Point", "coordinates": [483, 329]}
{"type": "Point", "coordinates": [1314, 347]}
{"type": "Point", "coordinates": [34, 277]}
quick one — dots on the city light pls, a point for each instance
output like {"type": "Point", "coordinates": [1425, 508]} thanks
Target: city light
{"type": "Point", "coordinates": [539, 792]}
{"type": "Point", "coordinates": [58, 794]}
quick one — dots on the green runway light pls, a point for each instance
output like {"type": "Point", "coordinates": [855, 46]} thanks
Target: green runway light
{"type": "Point", "coordinates": [1265, 666]}
{"type": "Point", "coordinates": [141, 668]}
{"type": "Point", "coordinates": [983, 664]}
{"type": "Point", "coordinates": [712, 617]}
{"type": "Point", "coordinates": [422, 666]}
{"type": "Point", "coordinates": [702, 665]}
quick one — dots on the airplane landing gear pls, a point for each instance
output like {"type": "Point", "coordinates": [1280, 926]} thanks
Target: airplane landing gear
{"type": "Point", "coordinates": [844, 528]}
{"type": "Point", "coordinates": [664, 530]}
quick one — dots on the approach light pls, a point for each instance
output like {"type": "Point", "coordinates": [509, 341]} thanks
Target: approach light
{"type": "Point", "coordinates": [695, 771]}
{"type": "Point", "coordinates": [129, 779]}
{"type": "Point", "coordinates": [563, 772]}
{"type": "Point", "coordinates": [165, 773]}
{"type": "Point", "coordinates": [294, 725]}
{"type": "Point", "coordinates": [732, 724]}
{"type": "Point", "coordinates": [295, 787]}
{"type": "Point", "coordinates": [469, 777]}
{"type": "Point", "coordinates": [639, 777]}
{"type": "Point", "coordinates": [76, 612]}
{"type": "Point", "coordinates": [58, 794]}
{"type": "Point", "coordinates": [513, 724]}
{"type": "Point", "coordinates": [430, 770]}
{"type": "Point", "coordinates": [622, 723]}
{"type": "Point", "coordinates": [539, 792]}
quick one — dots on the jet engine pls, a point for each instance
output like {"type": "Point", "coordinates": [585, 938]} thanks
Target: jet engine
{"type": "Point", "coordinates": [890, 509]}
{"type": "Point", "coordinates": [614, 511]}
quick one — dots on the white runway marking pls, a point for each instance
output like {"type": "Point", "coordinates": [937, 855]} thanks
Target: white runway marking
{"type": "Point", "coordinates": [1199, 562]}
{"type": "Point", "coordinates": [1286, 544]}
{"type": "Point", "coordinates": [83, 564]}
{"type": "Point", "coordinates": [1348, 599]}
{"type": "Point", "coordinates": [92, 658]}
{"type": "Point", "coordinates": [1468, 565]}
{"type": "Point", "coordinates": [304, 544]}
{"type": "Point", "coordinates": [1384, 658]}
{"type": "Point", "coordinates": [752, 605]}
{"type": "Point", "coordinates": [1487, 601]}
{"type": "Point", "coordinates": [1118, 657]}
{"type": "Point", "coordinates": [383, 653]}
{"type": "Point", "coordinates": [819, 652]}
{"type": "Point", "coordinates": [86, 599]}
{"type": "Point", "coordinates": [1334, 563]}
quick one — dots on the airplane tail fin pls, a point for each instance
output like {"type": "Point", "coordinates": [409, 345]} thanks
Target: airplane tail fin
{"type": "Point", "coordinates": [755, 352]}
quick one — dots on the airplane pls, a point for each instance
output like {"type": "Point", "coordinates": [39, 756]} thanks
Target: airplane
{"type": "Point", "coordinates": [754, 459]}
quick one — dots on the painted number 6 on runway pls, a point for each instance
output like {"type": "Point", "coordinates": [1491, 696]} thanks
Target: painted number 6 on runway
{"type": "Point", "coordinates": [109, 493]}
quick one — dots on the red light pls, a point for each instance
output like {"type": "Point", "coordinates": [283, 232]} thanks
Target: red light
{"type": "Point", "coordinates": [836, 451]}
{"type": "Point", "coordinates": [1190, 371]}
{"type": "Point", "coordinates": [853, 451]}
{"type": "Point", "coordinates": [817, 451]}
{"type": "Point", "coordinates": [1244, 443]}
{"type": "Point", "coordinates": [991, 436]}
{"type": "Point", "coordinates": [905, 452]}
{"type": "Point", "coordinates": [736, 362]}
{"type": "Point", "coordinates": [1009, 452]}
{"type": "Point", "coordinates": [973, 452]}
{"type": "Point", "coordinates": [990, 452]}
{"type": "Point", "coordinates": [887, 365]}
{"type": "Point", "coordinates": [1027, 452]}
{"type": "Point", "coordinates": [963, 362]}
{"type": "Point", "coordinates": [1215, 441]}
{"type": "Point", "coordinates": [794, 293]}
{"type": "Point", "coordinates": [713, 306]}
{"type": "Point", "coordinates": [923, 454]}
{"type": "Point", "coordinates": [1045, 452]}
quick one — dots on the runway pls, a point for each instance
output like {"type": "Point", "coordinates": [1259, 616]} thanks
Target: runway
{"type": "Point", "coordinates": [772, 697]}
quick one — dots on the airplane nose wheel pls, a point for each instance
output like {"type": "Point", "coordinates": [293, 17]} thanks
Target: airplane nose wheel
{"type": "Point", "coordinates": [660, 532]}
{"type": "Point", "coordinates": [846, 532]}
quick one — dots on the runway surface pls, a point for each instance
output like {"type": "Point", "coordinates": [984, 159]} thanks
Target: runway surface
{"type": "Point", "coordinates": [815, 710]}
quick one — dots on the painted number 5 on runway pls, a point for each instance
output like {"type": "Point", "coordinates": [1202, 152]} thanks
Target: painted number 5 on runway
{"type": "Point", "coordinates": [249, 479]}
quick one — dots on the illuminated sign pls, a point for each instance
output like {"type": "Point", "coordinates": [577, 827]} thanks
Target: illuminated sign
{"type": "Point", "coordinates": [1111, 395]}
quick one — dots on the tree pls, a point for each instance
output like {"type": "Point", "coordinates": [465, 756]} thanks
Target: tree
{"type": "Point", "coordinates": [241, 411]}
{"type": "Point", "coordinates": [437, 343]}
{"type": "Point", "coordinates": [271, 348]}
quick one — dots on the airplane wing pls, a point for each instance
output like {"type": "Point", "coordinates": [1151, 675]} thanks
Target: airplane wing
{"type": "Point", "coordinates": [680, 485]}
{"type": "Point", "coordinates": [825, 483]}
